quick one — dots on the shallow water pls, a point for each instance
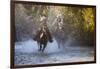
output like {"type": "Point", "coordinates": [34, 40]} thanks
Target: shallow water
{"type": "Point", "coordinates": [26, 52]}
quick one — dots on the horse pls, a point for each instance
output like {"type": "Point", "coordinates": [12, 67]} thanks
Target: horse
{"type": "Point", "coordinates": [42, 37]}
{"type": "Point", "coordinates": [59, 30]}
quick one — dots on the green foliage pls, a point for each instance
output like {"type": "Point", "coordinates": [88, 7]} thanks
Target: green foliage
{"type": "Point", "coordinates": [79, 22]}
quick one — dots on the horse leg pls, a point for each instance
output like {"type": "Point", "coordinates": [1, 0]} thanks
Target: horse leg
{"type": "Point", "coordinates": [38, 46]}
{"type": "Point", "coordinates": [58, 41]}
{"type": "Point", "coordinates": [44, 46]}
{"type": "Point", "coordinates": [58, 45]}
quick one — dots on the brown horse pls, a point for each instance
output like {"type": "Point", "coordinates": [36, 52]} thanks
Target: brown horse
{"type": "Point", "coordinates": [42, 37]}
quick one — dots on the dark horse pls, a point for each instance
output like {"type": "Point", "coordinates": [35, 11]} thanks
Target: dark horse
{"type": "Point", "coordinates": [42, 37]}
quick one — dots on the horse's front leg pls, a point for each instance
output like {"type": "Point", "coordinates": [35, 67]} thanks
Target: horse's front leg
{"type": "Point", "coordinates": [44, 46]}
{"type": "Point", "coordinates": [59, 43]}
{"type": "Point", "coordinates": [38, 46]}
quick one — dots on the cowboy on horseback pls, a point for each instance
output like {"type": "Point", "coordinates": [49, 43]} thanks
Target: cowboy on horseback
{"type": "Point", "coordinates": [43, 35]}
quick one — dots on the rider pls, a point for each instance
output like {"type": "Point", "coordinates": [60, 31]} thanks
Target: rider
{"type": "Point", "coordinates": [43, 28]}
